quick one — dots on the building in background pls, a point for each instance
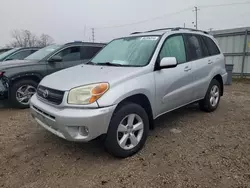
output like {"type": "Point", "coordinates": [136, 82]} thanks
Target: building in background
{"type": "Point", "coordinates": [235, 44]}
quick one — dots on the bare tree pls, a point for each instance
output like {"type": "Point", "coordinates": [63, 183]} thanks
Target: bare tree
{"type": "Point", "coordinates": [25, 38]}
{"type": "Point", "coordinates": [45, 40]}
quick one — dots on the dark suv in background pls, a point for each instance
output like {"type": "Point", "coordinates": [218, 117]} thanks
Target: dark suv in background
{"type": "Point", "coordinates": [2, 50]}
{"type": "Point", "coordinates": [19, 79]}
{"type": "Point", "coordinates": [17, 53]}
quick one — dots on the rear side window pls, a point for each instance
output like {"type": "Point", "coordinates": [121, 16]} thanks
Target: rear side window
{"type": "Point", "coordinates": [90, 51]}
{"type": "Point", "coordinates": [204, 47]}
{"type": "Point", "coordinates": [20, 55]}
{"type": "Point", "coordinates": [194, 47]}
{"type": "Point", "coordinates": [212, 47]}
{"type": "Point", "coordinates": [174, 47]}
{"type": "Point", "coordinates": [32, 51]}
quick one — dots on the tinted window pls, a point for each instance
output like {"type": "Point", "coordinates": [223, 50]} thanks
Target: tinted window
{"type": "Point", "coordinates": [70, 54]}
{"type": "Point", "coordinates": [194, 48]}
{"type": "Point", "coordinates": [90, 51]}
{"type": "Point", "coordinates": [212, 47]}
{"type": "Point", "coordinates": [204, 47]}
{"type": "Point", "coordinates": [32, 51]}
{"type": "Point", "coordinates": [20, 55]}
{"type": "Point", "coordinates": [6, 54]}
{"type": "Point", "coordinates": [174, 47]}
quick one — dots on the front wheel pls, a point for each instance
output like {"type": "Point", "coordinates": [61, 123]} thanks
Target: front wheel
{"type": "Point", "coordinates": [212, 98]}
{"type": "Point", "coordinates": [21, 92]}
{"type": "Point", "coordinates": [128, 131]}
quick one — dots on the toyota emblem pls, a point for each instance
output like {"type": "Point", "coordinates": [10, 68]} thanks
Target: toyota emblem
{"type": "Point", "coordinates": [45, 93]}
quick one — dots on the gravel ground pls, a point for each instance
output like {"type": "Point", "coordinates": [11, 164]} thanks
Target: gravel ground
{"type": "Point", "coordinates": [188, 148]}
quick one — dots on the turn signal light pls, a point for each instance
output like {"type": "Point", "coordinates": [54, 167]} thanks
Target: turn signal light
{"type": "Point", "coordinates": [98, 91]}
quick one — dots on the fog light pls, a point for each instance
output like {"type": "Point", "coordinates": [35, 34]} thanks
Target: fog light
{"type": "Point", "coordinates": [84, 131]}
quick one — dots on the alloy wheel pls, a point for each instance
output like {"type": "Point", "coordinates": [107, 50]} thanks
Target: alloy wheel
{"type": "Point", "coordinates": [214, 95]}
{"type": "Point", "coordinates": [130, 131]}
{"type": "Point", "coordinates": [24, 93]}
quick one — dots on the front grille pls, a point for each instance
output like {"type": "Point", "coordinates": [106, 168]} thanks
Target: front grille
{"type": "Point", "coordinates": [44, 113]}
{"type": "Point", "coordinates": [50, 95]}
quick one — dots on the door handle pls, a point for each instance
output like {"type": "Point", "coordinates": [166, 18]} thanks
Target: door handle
{"type": "Point", "coordinates": [210, 61]}
{"type": "Point", "coordinates": [187, 68]}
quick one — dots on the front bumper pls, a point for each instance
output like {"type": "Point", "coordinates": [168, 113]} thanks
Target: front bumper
{"type": "Point", "coordinates": [66, 122]}
{"type": "Point", "coordinates": [3, 90]}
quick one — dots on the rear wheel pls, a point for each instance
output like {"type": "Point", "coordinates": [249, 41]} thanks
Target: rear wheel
{"type": "Point", "coordinates": [21, 92]}
{"type": "Point", "coordinates": [212, 98]}
{"type": "Point", "coordinates": [128, 130]}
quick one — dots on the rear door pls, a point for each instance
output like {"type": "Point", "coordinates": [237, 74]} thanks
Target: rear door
{"type": "Point", "coordinates": [214, 52]}
{"type": "Point", "coordinates": [173, 85]}
{"type": "Point", "coordinates": [199, 56]}
{"type": "Point", "coordinates": [88, 52]}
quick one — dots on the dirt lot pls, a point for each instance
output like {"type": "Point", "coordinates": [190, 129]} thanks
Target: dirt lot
{"type": "Point", "coordinates": [212, 150]}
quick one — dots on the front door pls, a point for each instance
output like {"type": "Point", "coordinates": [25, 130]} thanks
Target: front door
{"type": "Point", "coordinates": [173, 85]}
{"type": "Point", "coordinates": [54, 67]}
{"type": "Point", "coordinates": [69, 57]}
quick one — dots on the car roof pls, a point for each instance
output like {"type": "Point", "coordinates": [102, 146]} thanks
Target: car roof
{"type": "Point", "coordinates": [84, 43]}
{"type": "Point", "coordinates": [5, 49]}
{"type": "Point", "coordinates": [24, 48]}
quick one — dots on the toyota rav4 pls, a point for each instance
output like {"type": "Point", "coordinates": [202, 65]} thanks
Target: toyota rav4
{"type": "Point", "coordinates": [128, 84]}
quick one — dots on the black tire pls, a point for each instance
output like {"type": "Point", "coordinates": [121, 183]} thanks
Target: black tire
{"type": "Point", "coordinates": [15, 103]}
{"type": "Point", "coordinates": [205, 104]}
{"type": "Point", "coordinates": [111, 142]}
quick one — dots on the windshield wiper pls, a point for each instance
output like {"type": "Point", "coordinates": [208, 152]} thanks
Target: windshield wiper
{"type": "Point", "coordinates": [105, 63]}
{"type": "Point", "coordinates": [110, 64]}
{"type": "Point", "coordinates": [90, 63]}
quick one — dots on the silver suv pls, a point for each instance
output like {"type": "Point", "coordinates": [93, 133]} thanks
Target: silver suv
{"type": "Point", "coordinates": [128, 84]}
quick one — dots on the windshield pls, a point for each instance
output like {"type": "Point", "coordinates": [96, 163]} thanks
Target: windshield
{"type": "Point", "coordinates": [5, 54]}
{"type": "Point", "coordinates": [130, 51]}
{"type": "Point", "coordinates": [42, 53]}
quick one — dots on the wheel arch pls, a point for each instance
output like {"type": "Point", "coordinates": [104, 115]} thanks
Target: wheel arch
{"type": "Point", "coordinates": [32, 76]}
{"type": "Point", "coordinates": [143, 101]}
{"type": "Point", "coordinates": [218, 77]}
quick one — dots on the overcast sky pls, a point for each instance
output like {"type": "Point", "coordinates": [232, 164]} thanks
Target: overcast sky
{"type": "Point", "coordinates": [69, 20]}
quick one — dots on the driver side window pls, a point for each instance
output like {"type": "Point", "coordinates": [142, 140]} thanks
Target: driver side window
{"type": "Point", "coordinates": [70, 54]}
{"type": "Point", "coordinates": [174, 47]}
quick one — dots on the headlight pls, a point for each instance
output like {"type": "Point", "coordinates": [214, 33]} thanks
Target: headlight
{"type": "Point", "coordinates": [87, 94]}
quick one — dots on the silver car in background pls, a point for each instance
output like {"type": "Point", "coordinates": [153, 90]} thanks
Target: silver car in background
{"type": "Point", "coordinates": [128, 84]}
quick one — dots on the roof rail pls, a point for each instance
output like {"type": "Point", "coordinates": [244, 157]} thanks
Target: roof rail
{"type": "Point", "coordinates": [190, 29]}
{"type": "Point", "coordinates": [172, 29]}
{"type": "Point", "coordinates": [161, 29]}
{"type": "Point", "coordinates": [82, 42]}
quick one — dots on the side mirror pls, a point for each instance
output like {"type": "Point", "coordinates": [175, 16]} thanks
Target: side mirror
{"type": "Point", "coordinates": [55, 58]}
{"type": "Point", "coordinates": [168, 62]}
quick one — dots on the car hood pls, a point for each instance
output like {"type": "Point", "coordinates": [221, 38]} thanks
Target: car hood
{"type": "Point", "coordinates": [88, 74]}
{"type": "Point", "coordinates": [15, 63]}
